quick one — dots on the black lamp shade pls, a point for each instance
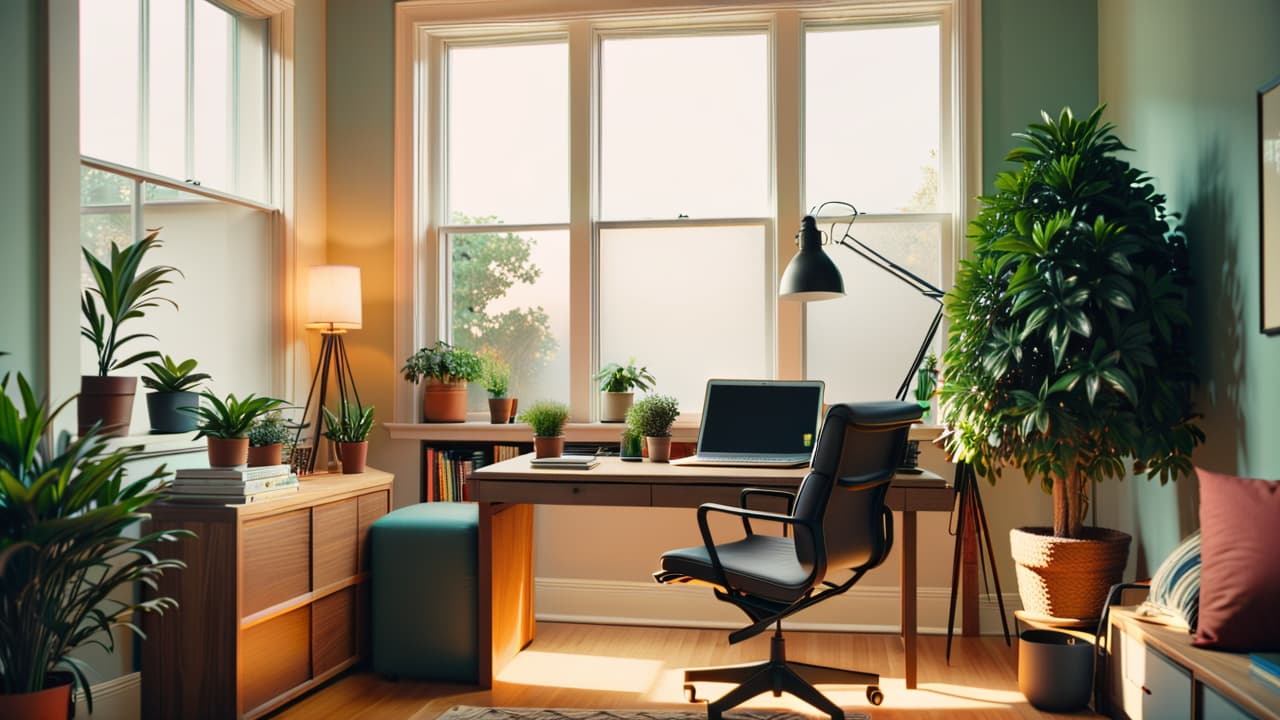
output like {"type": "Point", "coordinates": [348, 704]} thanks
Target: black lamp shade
{"type": "Point", "coordinates": [811, 274]}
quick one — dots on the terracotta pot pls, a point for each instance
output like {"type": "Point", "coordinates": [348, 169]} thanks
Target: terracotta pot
{"type": "Point", "coordinates": [166, 417]}
{"type": "Point", "coordinates": [548, 447]}
{"type": "Point", "coordinates": [228, 452]}
{"type": "Point", "coordinates": [500, 410]}
{"type": "Point", "coordinates": [353, 456]}
{"type": "Point", "coordinates": [614, 405]}
{"type": "Point", "coordinates": [659, 448]}
{"type": "Point", "coordinates": [1067, 579]}
{"type": "Point", "coordinates": [444, 402]}
{"type": "Point", "coordinates": [106, 398]}
{"type": "Point", "coordinates": [52, 703]}
{"type": "Point", "coordinates": [264, 455]}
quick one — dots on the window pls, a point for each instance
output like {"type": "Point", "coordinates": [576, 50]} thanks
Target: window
{"type": "Point", "coordinates": [609, 187]}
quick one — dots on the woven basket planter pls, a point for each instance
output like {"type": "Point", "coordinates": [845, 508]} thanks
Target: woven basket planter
{"type": "Point", "coordinates": [1067, 579]}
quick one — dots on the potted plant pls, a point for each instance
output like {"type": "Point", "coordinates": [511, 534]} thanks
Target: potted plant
{"type": "Point", "coordinates": [351, 434]}
{"type": "Point", "coordinates": [447, 370]}
{"type": "Point", "coordinates": [652, 416]}
{"type": "Point", "coordinates": [171, 386]}
{"type": "Point", "coordinates": [495, 375]}
{"type": "Point", "coordinates": [121, 291]}
{"type": "Point", "coordinates": [927, 383]}
{"type": "Point", "coordinates": [226, 424]}
{"type": "Point", "coordinates": [1069, 347]}
{"type": "Point", "coordinates": [547, 420]}
{"type": "Point", "coordinates": [618, 384]}
{"type": "Point", "coordinates": [69, 544]}
{"type": "Point", "coordinates": [267, 436]}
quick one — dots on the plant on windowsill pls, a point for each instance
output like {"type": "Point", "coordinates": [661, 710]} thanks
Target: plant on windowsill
{"type": "Point", "coordinates": [495, 375]}
{"type": "Point", "coordinates": [172, 386]}
{"type": "Point", "coordinates": [226, 424]}
{"type": "Point", "coordinates": [618, 384]}
{"type": "Point", "coordinates": [121, 290]}
{"type": "Point", "coordinates": [652, 416]}
{"type": "Point", "coordinates": [1069, 348]}
{"type": "Point", "coordinates": [350, 432]}
{"type": "Point", "coordinates": [927, 384]}
{"type": "Point", "coordinates": [267, 436]}
{"type": "Point", "coordinates": [69, 546]}
{"type": "Point", "coordinates": [547, 420]}
{"type": "Point", "coordinates": [447, 369]}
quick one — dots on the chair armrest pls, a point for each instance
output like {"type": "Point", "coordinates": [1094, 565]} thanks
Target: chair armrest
{"type": "Point", "coordinates": [819, 544]}
{"type": "Point", "coordinates": [771, 492]}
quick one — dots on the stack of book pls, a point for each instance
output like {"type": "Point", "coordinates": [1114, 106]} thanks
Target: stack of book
{"type": "Point", "coordinates": [1266, 667]}
{"type": "Point", "coordinates": [566, 462]}
{"type": "Point", "coordinates": [232, 486]}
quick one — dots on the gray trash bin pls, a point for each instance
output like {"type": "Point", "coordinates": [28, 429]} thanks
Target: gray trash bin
{"type": "Point", "coordinates": [1055, 670]}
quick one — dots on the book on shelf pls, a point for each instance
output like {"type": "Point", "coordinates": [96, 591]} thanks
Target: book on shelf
{"type": "Point", "coordinates": [231, 473]}
{"type": "Point", "coordinates": [1266, 663]}
{"type": "Point", "coordinates": [215, 499]}
{"type": "Point", "coordinates": [446, 469]}
{"type": "Point", "coordinates": [566, 462]}
{"type": "Point", "coordinates": [203, 486]}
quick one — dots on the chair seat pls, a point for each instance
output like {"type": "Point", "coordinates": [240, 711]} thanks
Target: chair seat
{"type": "Point", "coordinates": [761, 565]}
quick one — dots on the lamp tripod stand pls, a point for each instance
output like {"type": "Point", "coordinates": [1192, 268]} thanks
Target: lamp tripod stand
{"type": "Point", "coordinates": [333, 359]}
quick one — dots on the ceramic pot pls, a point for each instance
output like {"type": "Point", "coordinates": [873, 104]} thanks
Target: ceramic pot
{"type": "Point", "coordinates": [1055, 670]}
{"type": "Point", "coordinates": [1067, 579]}
{"type": "Point", "coordinates": [228, 452]}
{"type": "Point", "coordinates": [52, 703]}
{"type": "Point", "coordinates": [548, 447]}
{"type": "Point", "coordinates": [264, 455]}
{"type": "Point", "coordinates": [614, 405]}
{"type": "Point", "coordinates": [353, 456]}
{"type": "Point", "coordinates": [106, 398]}
{"type": "Point", "coordinates": [659, 448]}
{"type": "Point", "coordinates": [500, 410]}
{"type": "Point", "coordinates": [165, 415]}
{"type": "Point", "coordinates": [444, 402]}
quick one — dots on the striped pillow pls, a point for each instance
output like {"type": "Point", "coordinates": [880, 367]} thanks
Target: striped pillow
{"type": "Point", "coordinates": [1174, 597]}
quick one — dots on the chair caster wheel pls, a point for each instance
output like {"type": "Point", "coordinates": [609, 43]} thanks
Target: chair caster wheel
{"type": "Point", "coordinates": [690, 693]}
{"type": "Point", "coordinates": [874, 696]}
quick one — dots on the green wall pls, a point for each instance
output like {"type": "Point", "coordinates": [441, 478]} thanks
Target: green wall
{"type": "Point", "coordinates": [22, 183]}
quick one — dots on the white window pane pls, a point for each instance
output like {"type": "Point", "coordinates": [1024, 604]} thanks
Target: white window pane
{"type": "Point", "coordinates": [251, 98]}
{"type": "Point", "coordinates": [872, 117]}
{"type": "Point", "coordinates": [109, 80]}
{"type": "Point", "coordinates": [862, 343]}
{"type": "Point", "coordinates": [212, 90]}
{"type": "Point", "coordinates": [684, 127]}
{"type": "Point", "coordinates": [166, 90]}
{"type": "Point", "coordinates": [508, 133]}
{"type": "Point", "coordinates": [689, 303]}
{"type": "Point", "coordinates": [510, 292]}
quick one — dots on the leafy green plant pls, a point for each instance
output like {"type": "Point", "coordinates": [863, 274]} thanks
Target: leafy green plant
{"type": "Point", "coordinates": [67, 510]}
{"type": "Point", "coordinates": [624, 378]}
{"type": "Point", "coordinates": [1069, 328]}
{"type": "Point", "coordinates": [927, 379]}
{"type": "Point", "coordinates": [231, 418]}
{"type": "Point", "coordinates": [353, 426]}
{"type": "Point", "coordinates": [495, 373]}
{"type": "Point", "coordinates": [545, 417]}
{"type": "Point", "coordinates": [653, 415]}
{"type": "Point", "coordinates": [168, 376]}
{"type": "Point", "coordinates": [270, 429]}
{"type": "Point", "coordinates": [122, 290]}
{"type": "Point", "coordinates": [443, 362]}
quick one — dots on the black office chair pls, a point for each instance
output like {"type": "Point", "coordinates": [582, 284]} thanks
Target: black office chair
{"type": "Point", "coordinates": [837, 521]}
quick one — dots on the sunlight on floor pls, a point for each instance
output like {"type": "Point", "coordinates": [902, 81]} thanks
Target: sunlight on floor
{"type": "Point", "coordinates": [583, 672]}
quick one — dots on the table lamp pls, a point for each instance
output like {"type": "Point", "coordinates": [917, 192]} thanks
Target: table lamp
{"type": "Point", "coordinates": [811, 275]}
{"type": "Point", "coordinates": [333, 308]}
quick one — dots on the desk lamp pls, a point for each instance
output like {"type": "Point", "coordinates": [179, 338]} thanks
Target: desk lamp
{"type": "Point", "coordinates": [811, 275]}
{"type": "Point", "coordinates": [333, 308]}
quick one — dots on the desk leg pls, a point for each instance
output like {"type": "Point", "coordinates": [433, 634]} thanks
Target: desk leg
{"type": "Point", "coordinates": [909, 594]}
{"type": "Point", "coordinates": [505, 586]}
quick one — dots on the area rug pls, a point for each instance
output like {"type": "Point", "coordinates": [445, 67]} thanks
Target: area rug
{"type": "Point", "coordinates": [468, 712]}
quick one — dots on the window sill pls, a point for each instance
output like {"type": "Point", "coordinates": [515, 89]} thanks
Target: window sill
{"type": "Point", "coordinates": [685, 430]}
{"type": "Point", "coordinates": [156, 445]}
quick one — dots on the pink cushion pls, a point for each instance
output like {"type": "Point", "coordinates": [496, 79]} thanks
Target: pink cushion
{"type": "Point", "coordinates": [1239, 572]}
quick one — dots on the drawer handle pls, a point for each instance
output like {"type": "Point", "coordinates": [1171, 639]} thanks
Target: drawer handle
{"type": "Point", "coordinates": [575, 490]}
{"type": "Point", "coordinates": [1146, 689]}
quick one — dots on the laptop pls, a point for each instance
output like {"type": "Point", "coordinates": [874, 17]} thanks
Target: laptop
{"type": "Point", "coordinates": [758, 423]}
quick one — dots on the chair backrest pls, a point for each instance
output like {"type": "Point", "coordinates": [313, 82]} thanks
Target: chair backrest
{"type": "Point", "coordinates": [859, 446]}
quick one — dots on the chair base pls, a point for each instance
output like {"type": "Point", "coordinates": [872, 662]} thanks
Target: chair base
{"type": "Point", "coordinates": [777, 676]}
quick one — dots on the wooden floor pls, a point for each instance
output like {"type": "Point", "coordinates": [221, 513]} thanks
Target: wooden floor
{"type": "Point", "coordinates": [598, 666]}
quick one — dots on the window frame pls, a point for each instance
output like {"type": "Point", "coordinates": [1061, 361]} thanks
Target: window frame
{"type": "Point", "coordinates": [422, 26]}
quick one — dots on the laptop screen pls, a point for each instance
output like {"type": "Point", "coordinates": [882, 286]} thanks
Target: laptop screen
{"type": "Point", "coordinates": [773, 417]}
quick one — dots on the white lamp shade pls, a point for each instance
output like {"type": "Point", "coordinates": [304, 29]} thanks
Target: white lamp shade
{"type": "Point", "coordinates": [333, 297]}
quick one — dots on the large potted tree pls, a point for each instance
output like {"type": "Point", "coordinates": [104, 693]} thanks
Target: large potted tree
{"type": "Point", "coordinates": [1068, 353]}
{"type": "Point", "coordinates": [122, 290]}
{"type": "Point", "coordinates": [67, 543]}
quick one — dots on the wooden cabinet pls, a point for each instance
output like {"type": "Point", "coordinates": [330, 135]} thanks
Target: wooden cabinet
{"type": "Point", "coordinates": [273, 601]}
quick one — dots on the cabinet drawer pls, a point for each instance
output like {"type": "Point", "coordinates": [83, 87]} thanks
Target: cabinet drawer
{"type": "Point", "coordinates": [1214, 706]}
{"type": "Point", "coordinates": [371, 507]}
{"type": "Point", "coordinates": [277, 560]}
{"type": "Point", "coordinates": [333, 630]}
{"type": "Point", "coordinates": [274, 657]}
{"type": "Point", "coordinates": [552, 493]}
{"type": "Point", "coordinates": [334, 555]}
{"type": "Point", "coordinates": [1152, 686]}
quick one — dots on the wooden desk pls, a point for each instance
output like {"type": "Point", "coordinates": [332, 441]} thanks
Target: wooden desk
{"type": "Point", "coordinates": [507, 492]}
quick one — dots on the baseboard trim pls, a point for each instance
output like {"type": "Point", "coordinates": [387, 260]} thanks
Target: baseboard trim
{"type": "Point", "coordinates": [115, 699]}
{"type": "Point", "coordinates": [871, 609]}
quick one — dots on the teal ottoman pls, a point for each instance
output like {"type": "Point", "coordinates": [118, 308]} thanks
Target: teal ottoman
{"type": "Point", "coordinates": [423, 561]}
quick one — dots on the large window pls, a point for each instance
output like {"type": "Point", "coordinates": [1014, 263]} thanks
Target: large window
{"type": "Point", "coordinates": [607, 188]}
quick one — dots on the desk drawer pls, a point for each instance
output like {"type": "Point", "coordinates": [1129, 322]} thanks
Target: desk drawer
{"type": "Point", "coordinates": [691, 496]}
{"type": "Point", "coordinates": [551, 493]}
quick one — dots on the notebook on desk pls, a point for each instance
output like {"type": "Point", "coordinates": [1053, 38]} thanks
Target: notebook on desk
{"type": "Point", "coordinates": [758, 423]}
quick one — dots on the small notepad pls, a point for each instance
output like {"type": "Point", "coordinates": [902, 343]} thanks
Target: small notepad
{"type": "Point", "coordinates": [566, 462]}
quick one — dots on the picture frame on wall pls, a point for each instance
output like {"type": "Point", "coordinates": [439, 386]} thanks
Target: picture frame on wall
{"type": "Point", "coordinates": [1269, 203]}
